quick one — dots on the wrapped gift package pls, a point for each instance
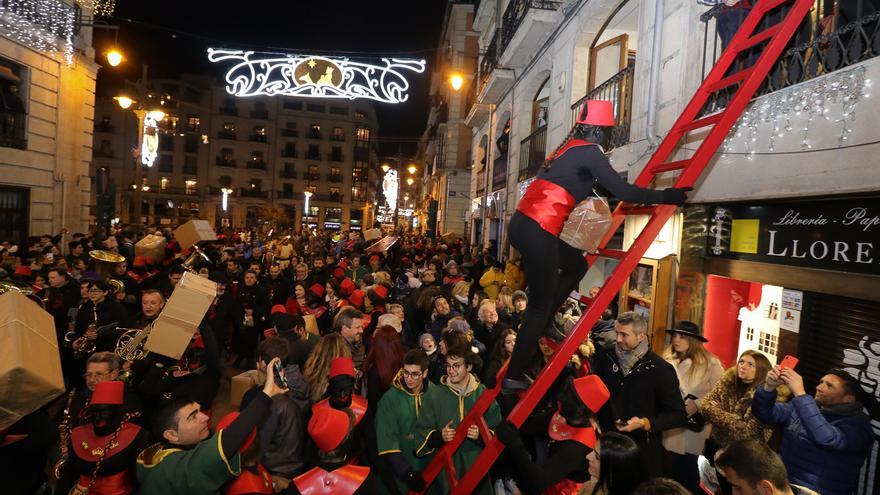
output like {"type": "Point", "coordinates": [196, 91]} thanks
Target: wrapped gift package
{"type": "Point", "coordinates": [242, 383]}
{"type": "Point", "coordinates": [372, 234]}
{"type": "Point", "coordinates": [173, 329]}
{"type": "Point", "coordinates": [30, 364]}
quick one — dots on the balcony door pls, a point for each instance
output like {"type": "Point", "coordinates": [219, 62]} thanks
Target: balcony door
{"type": "Point", "coordinates": [607, 59]}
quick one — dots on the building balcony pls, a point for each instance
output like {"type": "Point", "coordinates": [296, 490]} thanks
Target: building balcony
{"type": "Point", "coordinates": [313, 156]}
{"type": "Point", "coordinates": [478, 113]}
{"type": "Point", "coordinates": [191, 148]}
{"type": "Point", "coordinates": [289, 153]}
{"type": "Point", "coordinates": [532, 152]}
{"type": "Point", "coordinates": [222, 162]}
{"type": "Point", "coordinates": [12, 130]}
{"type": "Point", "coordinates": [313, 177]}
{"type": "Point", "coordinates": [290, 133]}
{"type": "Point", "coordinates": [288, 195]}
{"type": "Point", "coordinates": [314, 135]}
{"type": "Point", "coordinates": [255, 165]}
{"type": "Point", "coordinates": [618, 89]}
{"type": "Point", "coordinates": [257, 138]}
{"type": "Point", "coordinates": [494, 80]}
{"type": "Point", "coordinates": [337, 138]}
{"type": "Point", "coordinates": [337, 157]}
{"type": "Point", "coordinates": [230, 111]}
{"type": "Point", "coordinates": [334, 178]}
{"type": "Point", "coordinates": [227, 135]}
{"type": "Point", "coordinates": [191, 170]}
{"type": "Point", "coordinates": [259, 114]}
{"type": "Point", "coordinates": [362, 153]}
{"type": "Point", "coordinates": [288, 174]}
{"type": "Point", "coordinates": [253, 193]}
{"type": "Point", "coordinates": [483, 13]}
{"type": "Point", "coordinates": [526, 25]}
{"type": "Point", "coordinates": [195, 129]}
{"type": "Point", "coordinates": [102, 153]}
{"type": "Point", "coordinates": [330, 198]}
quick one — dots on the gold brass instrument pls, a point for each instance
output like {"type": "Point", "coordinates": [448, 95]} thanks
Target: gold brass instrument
{"type": "Point", "coordinates": [196, 256]}
{"type": "Point", "coordinates": [130, 347]}
{"type": "Point", "coordinates": [24, 289]}
{"type": "Point", "coordinates": [83, 346]}
{"type": "Point", "coordinates": [105, 261]}
{"type": "Point", "coordinates": [115, 286]}
{"type": "Point", "coordinates": [64, 436]}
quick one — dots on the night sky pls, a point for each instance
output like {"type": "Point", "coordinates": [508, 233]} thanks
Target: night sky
{"type": "Point", "coordinates": [172, 37]}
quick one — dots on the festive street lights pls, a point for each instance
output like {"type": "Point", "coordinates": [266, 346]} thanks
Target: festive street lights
{"type": "Point", "coordinates": [308, 196]}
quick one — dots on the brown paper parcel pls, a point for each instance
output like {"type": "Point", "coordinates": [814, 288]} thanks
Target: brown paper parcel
{"type": "Point", "coordinates": [372, 234]}
{"type": "Point", "coordinates": [151, 246]}
{"type": "Point", "coordinates": [192, 232]}
{"type": "Point", "coordinates": [181, 316]}
{"type": "Point", "coordinates": [587, 224]}
{"type": "Point", "coordinates": [242, 383]}
{"type": "Point", "coordinates": [311, 324]}
{"type": "Point", "coordinates": [30, 365]}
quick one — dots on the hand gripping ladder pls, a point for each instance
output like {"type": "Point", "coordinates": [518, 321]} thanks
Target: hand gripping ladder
{"type": "Point", "coordinates": [718, 125]}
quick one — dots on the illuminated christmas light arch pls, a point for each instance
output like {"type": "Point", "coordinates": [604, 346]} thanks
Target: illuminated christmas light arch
{"type": "Point", "coordinates": [316, 76]}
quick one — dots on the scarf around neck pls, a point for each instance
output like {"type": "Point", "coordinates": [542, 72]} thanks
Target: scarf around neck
{"type": "Point", "coordinates": [628, 359]}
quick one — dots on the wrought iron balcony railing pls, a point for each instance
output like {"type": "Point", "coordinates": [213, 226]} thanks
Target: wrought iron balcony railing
{"type": "Point", "coordinates": [618, 89]}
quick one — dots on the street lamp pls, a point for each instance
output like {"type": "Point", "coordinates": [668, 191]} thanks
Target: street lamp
{"type": "Point", "coordinates": [114, 57]}
{"type": "Point", "coordinates": [226, 192]}
{"type": "Point", "coordinates": [308, 195]}
{"type": "Point", "coordinates": [385, 168]}
{"type": "Point", "coordinates": [456, 81]}
{"type": "Point", "coordinates": [412, 168]}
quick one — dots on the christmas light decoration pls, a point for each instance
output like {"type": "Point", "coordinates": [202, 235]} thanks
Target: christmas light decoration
{"type": "Point", "coordinates": [43, 25]}
{"type": "Point", "coordinates": [99, 8]}
{"type": "Point", "coordinates": [150, 146]}
{"type": "Point", "coordinates": [316, 77]}
{"type": "Point", "coordinates": [832, 97]}
{"type": "Point", "coordinates": [390, 187]}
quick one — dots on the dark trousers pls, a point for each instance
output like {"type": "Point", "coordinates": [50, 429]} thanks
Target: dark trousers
{"type": "Point", "coordinates": [553, 269]}
{"type": "Point", "coordinates": [684, 469]}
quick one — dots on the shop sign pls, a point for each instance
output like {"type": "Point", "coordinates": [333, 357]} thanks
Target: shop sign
{"type": "Point", "coordinates": [841, 235]}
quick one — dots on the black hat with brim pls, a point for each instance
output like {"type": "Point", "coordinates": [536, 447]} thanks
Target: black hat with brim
{"type": "Point", "coordinates": [688, 328]}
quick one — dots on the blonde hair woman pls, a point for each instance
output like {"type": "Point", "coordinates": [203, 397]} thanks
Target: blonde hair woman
{"type": "Point", "coordinates": [698, 371]}
{"type": "Point", "coordinates": [317, 366]}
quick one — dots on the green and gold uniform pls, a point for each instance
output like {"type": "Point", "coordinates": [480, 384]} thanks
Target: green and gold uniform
{"type": "Point", "coordinates": [396, 418]}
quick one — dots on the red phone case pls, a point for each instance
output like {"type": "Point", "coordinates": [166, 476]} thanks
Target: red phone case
{"type": "Point", "coordinates": [789, 362]}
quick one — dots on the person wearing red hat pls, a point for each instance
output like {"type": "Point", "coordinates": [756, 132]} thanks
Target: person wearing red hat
{"type": "Point", "coordinates": [254, 479]}
{"type": "Point", "coordinates": [572, 435]}
{"type": "Point", "coordinates": [376, 264]}
{"type": "Point", "coordinates": [331, 430]}
{"type": "Point", "coordinates": [103, 449]}
{"type": "Point", "coordinates": [553, 268]}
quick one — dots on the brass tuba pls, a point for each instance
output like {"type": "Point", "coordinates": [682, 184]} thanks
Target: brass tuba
{"type": "Point", "coordinates": [130, 347]}
{"type": "Point", "coordinates": [196, 256]}
{"type": "Point", "coordinates": [24, 289]}
{"type": "Point", "coordinates": [105, 261]}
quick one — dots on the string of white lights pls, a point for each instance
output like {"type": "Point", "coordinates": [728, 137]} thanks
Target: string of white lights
{"type": "Point", "coordinates": [833, 97]}
{"type": "Point", "coordinates": [43, 25]}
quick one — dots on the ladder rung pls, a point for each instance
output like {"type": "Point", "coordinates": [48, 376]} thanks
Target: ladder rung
{"type": "Point", "coordinates": [637, 210]}
{"type": "Point", "coordinates": [612, 253]}
{"type": "Point", "coordinates": [758, 38]}
{"type": "Point", "coordinates": [670, 166]}
{"type": "Point", "coordinates": [704, 122]}
{"type": "Point", "coordinates": [729, 80]}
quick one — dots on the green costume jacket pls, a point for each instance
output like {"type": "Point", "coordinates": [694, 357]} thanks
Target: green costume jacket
{"type": "Point", "coordinates": [356, 274]}
{"type": "Point", "coordinates": [199, 471]}
{"type": "Point", "coordinates": [442, 404]}
{"type": "Point", "coordinates": [396, 418]}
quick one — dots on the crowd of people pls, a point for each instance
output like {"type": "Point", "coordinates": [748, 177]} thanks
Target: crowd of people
{"type": "Point", "coordinates": [367, 361]}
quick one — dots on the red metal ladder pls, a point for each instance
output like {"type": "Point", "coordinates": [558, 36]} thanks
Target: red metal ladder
{"type": "Point", "coordinates": [718, 124]}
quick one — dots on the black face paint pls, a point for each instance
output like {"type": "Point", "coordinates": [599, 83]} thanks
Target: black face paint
{"type": "Point", "coordinates": [571, 407]}
{"type": "Point", "coordinates": [340, 390]}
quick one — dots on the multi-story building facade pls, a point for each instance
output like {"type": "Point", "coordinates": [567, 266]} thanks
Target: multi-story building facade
{"type": "Point", "coordinates": [445, 146]}
{"type": "Point", "coordinates": [265, 152]}
{"type": "Point", "coordinates": [770, 224]}
{"type": "Point", "coordinates": [47, 87]}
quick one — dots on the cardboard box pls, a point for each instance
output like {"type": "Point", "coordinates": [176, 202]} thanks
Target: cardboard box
{"type": "Point", "coordinates": [193, 232]}
{"type": "Point", "coordinates": [372, 234]}
{"type": "Point", "coordinates": [30, 364]}
{"type": "Point", "coordinates": [151, 246]}
{"type": "Point", "coordinates": [241, 384]}
{"type": "Point", "coordinates": [311, 324]}
{"type": "Point", "coordinates": [181, 316]}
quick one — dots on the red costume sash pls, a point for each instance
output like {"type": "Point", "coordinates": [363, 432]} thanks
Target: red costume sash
{"type": "Point", "coordinates": [559, 430]}
{"type": "Point", "coordinates": [358, 407]}
{"type": "Point", "coordinates": [343, 481]}
{"type": "Point", "coordinates": [251, 482]}
{"type": "Point", "coordinates": [90, 447]}
{"type": "Point", "coordinates": [547, 203]}
{"type": "Point", "coordinates": [121, 483]}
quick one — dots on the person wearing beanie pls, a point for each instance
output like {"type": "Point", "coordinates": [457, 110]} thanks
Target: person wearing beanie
{"type": "Point", "coordinates": [520, 303]}
{"type": "Point", "coordinates": [94, 465]}
{"type": "Point", "coordinates": [572, 438]}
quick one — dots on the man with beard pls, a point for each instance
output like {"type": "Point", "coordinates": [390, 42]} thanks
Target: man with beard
{"type": "Point", "coordinates": [446, 406]}
{"type": "Point", "coordinates": [104, 448]}
{"type": "Point", "coordinates": [188, 460]}
{"type": "Point", "coordinates": [276, 285]}
{"type": "Point", "coordinates": [396, 418]}
{"type": "Point", "coordinates": [319, 272]}
{"type": "Point", "coordinates": [350, 324]}
{"type": "Point", "coordinates": [645, 397]}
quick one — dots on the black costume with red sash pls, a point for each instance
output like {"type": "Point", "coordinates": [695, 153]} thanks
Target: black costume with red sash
{"type": "Point", "coordinates": [116, 474]}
